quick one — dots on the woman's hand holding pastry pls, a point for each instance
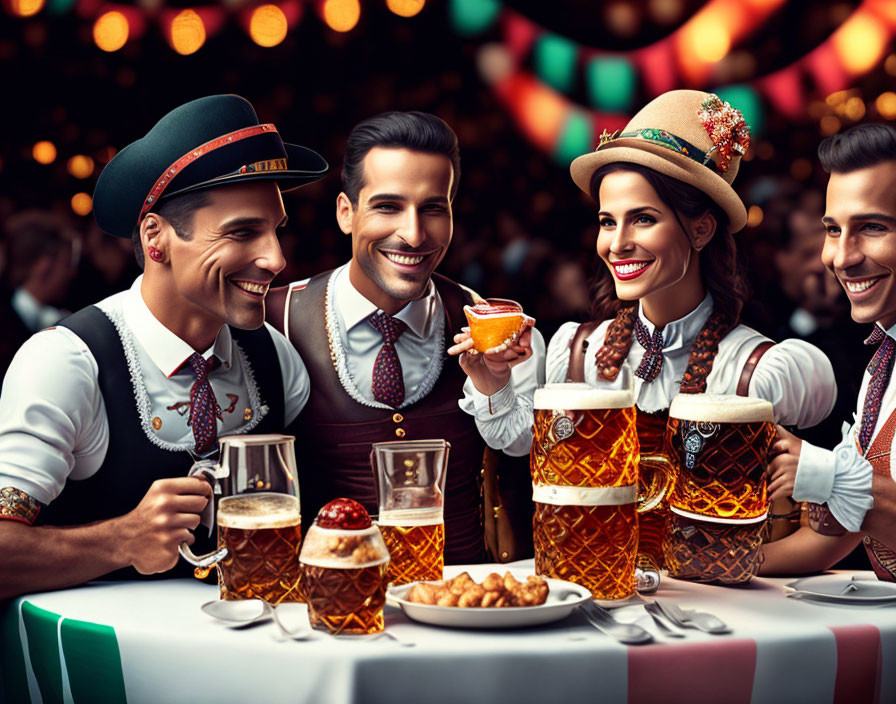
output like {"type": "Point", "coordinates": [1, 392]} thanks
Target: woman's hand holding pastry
{"type": "Point", "coordinates": [490, 371]}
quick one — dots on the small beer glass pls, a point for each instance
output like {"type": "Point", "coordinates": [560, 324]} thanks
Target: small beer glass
{"type": "Point", "coordinates": [410, 478]}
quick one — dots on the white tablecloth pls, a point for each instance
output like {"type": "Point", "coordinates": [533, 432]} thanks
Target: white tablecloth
{"type": "Point", "coordinates": [149, 642]}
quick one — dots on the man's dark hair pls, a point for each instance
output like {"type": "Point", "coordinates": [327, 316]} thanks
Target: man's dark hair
{"type": "Point", "coordinates": [418, 131]}
{"type": "Point", "coordinates": [178, 211]}
{"type": "Point", "coordinates": [30, 235]}
{"type": "Point", "coordinates": [858, 147]}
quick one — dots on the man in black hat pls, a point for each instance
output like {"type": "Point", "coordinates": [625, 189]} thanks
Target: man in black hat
{"type": "Point", "coordinates": [374, 334]}
{"type": "Point", "coordinates": [102, 416]}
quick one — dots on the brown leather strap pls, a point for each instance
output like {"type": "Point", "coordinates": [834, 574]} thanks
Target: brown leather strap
{"type": "Point", "coordinates": [578, 347]}
{"type": "Point", "coordinates": [743, 385]}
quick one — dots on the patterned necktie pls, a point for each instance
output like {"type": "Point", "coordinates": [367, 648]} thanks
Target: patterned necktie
{"type": "Point", "coordinates": [204, 409]}
{"type": "Point", "coordinates": [879, 368]}
{"type": "Point", "coordinates": [388, 382]}
{"type": "Point", "coordinates": [652, 362]}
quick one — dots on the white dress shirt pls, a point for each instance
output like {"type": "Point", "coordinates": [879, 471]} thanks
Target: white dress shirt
{"type": "Point", "coordinates": [420, 350]}
{"type": "Point", "coordinates": [53, 422]}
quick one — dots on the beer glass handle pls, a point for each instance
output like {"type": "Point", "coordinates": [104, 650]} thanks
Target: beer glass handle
{"type": "Point", "coordinates": [663, 475]}
{"type": "Point", "coordinates": [209, 470]}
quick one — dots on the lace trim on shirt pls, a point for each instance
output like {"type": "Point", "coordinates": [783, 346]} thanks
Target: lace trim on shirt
{"type": "Point", "coordinates": [141, 397]}
{"type": "Point", "coordinates": [16, 505]}
{"type": "Point", "coordinates": [340, 363]}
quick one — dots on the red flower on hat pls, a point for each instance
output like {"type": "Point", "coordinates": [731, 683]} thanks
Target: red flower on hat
{"type": "Point", "coordinates": [727, 129]}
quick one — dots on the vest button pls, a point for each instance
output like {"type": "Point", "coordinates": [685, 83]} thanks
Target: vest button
{"type": "Point", "coordinates": [398, 418]}
{"type": "Point", "coordinates": [867, 540]}
{"type": "Point", "coordinates": [400, 432]}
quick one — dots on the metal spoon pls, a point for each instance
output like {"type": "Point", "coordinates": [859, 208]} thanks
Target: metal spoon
{"type": "Point", "coordinates": [244, 612]}
{"type": "Point", "coordinates": [665, 625]}
{"type": "Point", "coordinates": [602, 620]}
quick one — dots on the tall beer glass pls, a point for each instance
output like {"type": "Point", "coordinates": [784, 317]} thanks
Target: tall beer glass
{"type": "Point", "coordinates": [258, 518]}
{"type": "Point", "coordinates": [584, 466]}
{"type": "Point", "coordinates": [410, 480]}
{"type": "Point", "coordinates": [719, 501]}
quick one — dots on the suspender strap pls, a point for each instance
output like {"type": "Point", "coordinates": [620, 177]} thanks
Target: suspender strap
{"type": "Point", "coordinates": [743, 385]}
{"type": "Point", "coordinates": [578, 347]}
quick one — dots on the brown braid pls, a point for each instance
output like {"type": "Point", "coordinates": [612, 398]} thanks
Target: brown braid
{"type": "Point", "coordinates": [617, 343]}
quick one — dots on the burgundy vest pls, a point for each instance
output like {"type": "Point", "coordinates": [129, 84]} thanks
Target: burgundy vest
{"type": "Point", "coordinates": [334, 433]}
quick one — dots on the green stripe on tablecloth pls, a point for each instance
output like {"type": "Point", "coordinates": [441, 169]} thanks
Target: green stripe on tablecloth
{"type": "Point", "coordinates": [93, 663]}
{"type": "Point", "coordinates": [14, 682]}
{"type": "Point", "coordinates": [43, 649]}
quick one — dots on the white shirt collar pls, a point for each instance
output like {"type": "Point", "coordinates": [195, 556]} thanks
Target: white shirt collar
{"type": "Point", "coordinates": [167, 351]}
{"type": "Point", "coordinates": [681, 333]}
{"type": "Point", "coordinates": [354, 308]}
{"type": "Point", "coordinates": [891, 331]}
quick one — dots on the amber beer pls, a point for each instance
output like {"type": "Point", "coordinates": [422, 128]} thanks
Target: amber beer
{"type": "Point", "coordinates": [344, 579]}
{"type": "Point", "coordinates": [652, 524]}
{"type": "Point", "coordinates": [721, 444]}
{"type": "Point", "coordinates": [262, 533]}
{"type": "Point", "coordinates": [584, 478]}
{"type": "Point", "coordinates": [416, 542]}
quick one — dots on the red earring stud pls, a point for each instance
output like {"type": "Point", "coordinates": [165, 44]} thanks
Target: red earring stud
{"type": "Point", "coordinates": [155, 254]}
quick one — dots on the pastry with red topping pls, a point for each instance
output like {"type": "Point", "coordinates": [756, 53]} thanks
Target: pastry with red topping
{"type": "Point", "coordinates": [496, 322]}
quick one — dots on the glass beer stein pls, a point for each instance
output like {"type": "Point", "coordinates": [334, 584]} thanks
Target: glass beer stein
{"type": "Point", "coordinates": [584, 466]}
{"type": "Point", "coordinates": [719, 502]}
{"type": "Point", "coordinates": [258, 518]}
{"type": "Point", "coordinates": [410, 479]}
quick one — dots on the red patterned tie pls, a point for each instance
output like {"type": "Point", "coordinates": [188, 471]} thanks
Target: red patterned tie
{"type": "Point", "coordinates": [652, 362]}
{"type": "Point", "coordinates": [879, 368]}
{"type": "Point", "coordinates": [388, 383]}
{"type": "Point", "coordinates": [204, 408]}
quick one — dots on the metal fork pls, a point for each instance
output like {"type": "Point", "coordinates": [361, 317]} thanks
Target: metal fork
{"type": "Point", "coordinates": [688, 618]}
{"type": "Point", "coordinates": [602, 620]}
{"type": "Point", "coordinates": [665, 624]}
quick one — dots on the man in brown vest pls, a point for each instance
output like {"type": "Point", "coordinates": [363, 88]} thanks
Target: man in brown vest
{"type": "Point", "coordinates": [860, 249]}
{"type": "Point", "coordinates": [374, 333]}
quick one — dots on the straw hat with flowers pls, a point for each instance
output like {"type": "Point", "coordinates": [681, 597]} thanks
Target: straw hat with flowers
{"type": "Point", "coordinates": [689, 135]}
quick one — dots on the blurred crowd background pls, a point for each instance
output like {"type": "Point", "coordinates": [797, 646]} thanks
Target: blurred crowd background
{"type": "Point", "coordinates": [527, 86]}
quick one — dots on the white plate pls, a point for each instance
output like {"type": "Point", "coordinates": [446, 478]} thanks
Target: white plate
{"type": "Point", "coordinates": [554, 608]}
{"type": "Point", "coordinates": [844, 589]}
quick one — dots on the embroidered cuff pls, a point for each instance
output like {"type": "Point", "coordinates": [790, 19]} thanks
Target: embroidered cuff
{"type": "Point", "coordinates": [498, 404]}
{"type": "Point", "coordinates": [814, 474]}
{"type": "Point", "coordinates": [16, 505]}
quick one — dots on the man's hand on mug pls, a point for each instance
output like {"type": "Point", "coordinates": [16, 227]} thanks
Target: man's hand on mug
{"type": "Point", "coordinates": [785, 452]}
{"type": "Point", "coordinates": [163, 520]}
{"type": "Point", "coordinates": [490, 371]}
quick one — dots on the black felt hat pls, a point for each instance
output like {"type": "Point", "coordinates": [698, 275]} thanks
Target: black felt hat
{"type": "Point", "coordinates": [205, 143]}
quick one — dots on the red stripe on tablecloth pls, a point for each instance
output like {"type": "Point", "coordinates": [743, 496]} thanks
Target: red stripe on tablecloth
{"type": "Point", "coordinates": [858, 664]}
{"type": "Point", "coordinates": [714, 671]}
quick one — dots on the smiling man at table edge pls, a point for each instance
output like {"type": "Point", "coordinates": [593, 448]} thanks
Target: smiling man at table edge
{"type": "Point", "coordinates": [374, 332]}
{"type": "Point", "coordinates": [102, 416]}
{"type": "Point", "coordinates": [860, 249]}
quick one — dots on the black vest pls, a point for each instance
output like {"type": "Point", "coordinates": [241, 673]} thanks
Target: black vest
{"type": "Point", "coordinates": [132, 462]}
{"type": "Point", "coordinates": [335, 432]}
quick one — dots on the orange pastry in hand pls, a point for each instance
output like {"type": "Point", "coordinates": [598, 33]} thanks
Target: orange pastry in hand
{"type": "Point", "coordinates": [495, 322]}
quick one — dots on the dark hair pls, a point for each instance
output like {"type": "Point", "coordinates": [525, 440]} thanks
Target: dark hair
{"type": "Point", "coordinates": [719, 266]}
{"type": "Point", "coordinates": [178, 211]}
{"type": "Point", "coordinates": [418, 131]}
{"type": "Point", "coordinates": [31, 235]}
{"type": "Point", "coordinates": [858, 147]}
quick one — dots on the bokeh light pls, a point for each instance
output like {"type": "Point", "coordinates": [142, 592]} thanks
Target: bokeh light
{"type": "Point", "coordinates": [25, 8]}
{"type": "Point", "coordinates": [82, 203]}
{"type": "Point", "coordinates": [111, 31]}
{"type": "Point", "coordinates": [886, 105]}
{"type": "Point", "coordinates": [405, 8]}
{"type": "Point", "coordinates": [830, 124]}
{"type": "Point", "coordinates": [708, 36]}
{"type": "Point", "coordinates": [268, 25]}
{"type": "Point", "coordinates": [44, 152]}
{"type": "Point", "coordinates": [80, 166]}
{"type": "Point", "coordinates": [341, 15]}
{"type": "Point", "coordinates": [187, 32]}
{"type": "Point", "coordinates": [860, 42]}
{"type": "Point", "coordinates": [754, 216]}
{"type": "Point", "coordinates": [854, 108]}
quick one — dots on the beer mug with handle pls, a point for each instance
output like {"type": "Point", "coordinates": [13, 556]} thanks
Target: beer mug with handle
{"type": "Point", "coordinates": [258, 518]}
{"type": "Point", "coordinates": [410, 479]}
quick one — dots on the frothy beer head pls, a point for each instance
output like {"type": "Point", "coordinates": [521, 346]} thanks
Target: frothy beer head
{"type": "Point", "coordinates": [720, 408]}
{"type": "Point", "coordinates": [581, 397]}
{"type": "Point", "coordinates": [257, 511]}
